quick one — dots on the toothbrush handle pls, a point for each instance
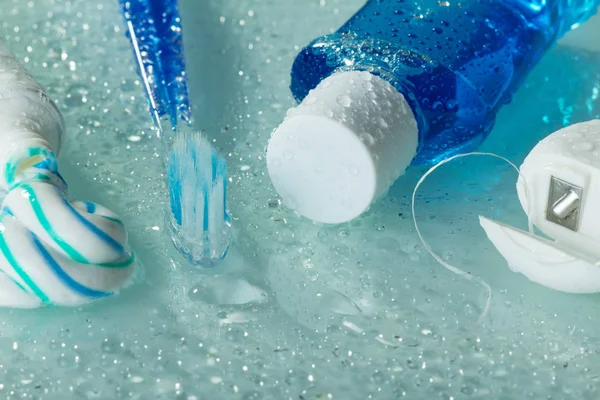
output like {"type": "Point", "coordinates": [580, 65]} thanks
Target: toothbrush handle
{"type": "Point", "coordinates": [154, 30]}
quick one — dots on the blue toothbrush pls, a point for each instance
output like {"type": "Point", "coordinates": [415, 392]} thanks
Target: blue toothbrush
{"type": "Point", "coordinates": [197, 218]}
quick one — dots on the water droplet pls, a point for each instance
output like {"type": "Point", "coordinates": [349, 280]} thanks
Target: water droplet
{"type": "Point", "coordinates": [311, 100]}
{"type": "Point", "coordinates": [583, 146]}
{"type": "Point", "coordinates": [339, 303]}
{"type": "Point", "coordinates": [574, 135]}
{"type": "Point", "coordinates": [288, 155]}
{"type": "Point", "coordinates": [276, 162]}
{"type": "Point", "coordinates": [226, 290]}
{"type": "Point", "coordinates": [343, 233]}
{"type": "Point", "coordinates": [344, 100]}
{"type": "Point", "coordinates": [274, 203]}
{"type": "Point", "coordinates": [383, 123]}
{"type": "Point", "coordinates": [354, 171]}
{"type": "Point", "coordinates": [222, 315]}
{"type": "Point", "coordinates": [110, 346]}
{"type": "Point", "coordinates": [371, 95]}
{"type": "Point", "coordinates": [388, 244]}
{"type": "Point", "coordinates": [77, 95]}
{"type": "Point", "coordinates": [367, 139]}
{"type": "Point", "coordinates": [329, 114]}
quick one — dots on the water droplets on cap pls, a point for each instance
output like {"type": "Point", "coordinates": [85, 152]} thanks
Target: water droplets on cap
{"type": "Point", "coordinates": [344, 100]}
{"type": "Point", "coordinates": [302, 143]}
{"type": "Point", "coordinates": [311, 99]}
{"type": "Point", "coordinates": [367, 85]}
{"type": "Point", "coordinates": [583, 146]}
{"type": "Point", "coordinates": [367, 139]}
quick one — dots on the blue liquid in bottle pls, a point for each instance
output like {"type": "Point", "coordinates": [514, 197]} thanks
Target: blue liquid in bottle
{"type": "Point", "coordinates": [455, 62]}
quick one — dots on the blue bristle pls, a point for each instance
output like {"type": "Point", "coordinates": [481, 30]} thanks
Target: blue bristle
{"type": "Point", "coordinates": [221, 172]}
{"type": "Point", "coordinates": [205, 193]}
{"type": "Point", "coordinates": [213, 164]}
{"type": "Point", "coordinates": [175, 187]}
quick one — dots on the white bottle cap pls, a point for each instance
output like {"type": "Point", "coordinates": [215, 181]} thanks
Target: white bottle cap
{"type": "Point", "coordinates": [342, 147]}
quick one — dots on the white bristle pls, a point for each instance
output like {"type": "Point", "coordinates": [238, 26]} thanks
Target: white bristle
{"type": "Point", "coordinates": [203, 239]}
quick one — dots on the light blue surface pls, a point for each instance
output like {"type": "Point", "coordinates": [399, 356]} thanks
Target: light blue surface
{"type": "Point", "coordinates": [298, 310]}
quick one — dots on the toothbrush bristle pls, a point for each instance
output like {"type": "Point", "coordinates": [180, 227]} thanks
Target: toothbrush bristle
{"type": "Point", "coordinates": [199, 224]}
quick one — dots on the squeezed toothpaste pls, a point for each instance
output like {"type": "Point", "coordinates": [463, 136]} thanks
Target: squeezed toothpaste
{"type": "Point", "coordinates": [53, 250]}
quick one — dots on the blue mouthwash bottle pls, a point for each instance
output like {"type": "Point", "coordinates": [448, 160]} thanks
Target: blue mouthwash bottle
{"type": "Point", "coordinates": [404, 82]}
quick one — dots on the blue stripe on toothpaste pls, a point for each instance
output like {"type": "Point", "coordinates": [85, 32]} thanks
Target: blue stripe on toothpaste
{"type": "Point", "coordinates": [63, 276]}
{"type": "Point", "coordinates": [90, 207]}
{"type": "Point", "coordinates": [97, 231]}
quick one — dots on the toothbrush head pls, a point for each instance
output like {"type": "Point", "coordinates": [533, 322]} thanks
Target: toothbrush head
{"type": "Point", "coordinates": [198, 221]}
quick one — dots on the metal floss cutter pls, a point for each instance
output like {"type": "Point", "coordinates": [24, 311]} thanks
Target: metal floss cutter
{"type": "Point", "coordinates": [562, 199]}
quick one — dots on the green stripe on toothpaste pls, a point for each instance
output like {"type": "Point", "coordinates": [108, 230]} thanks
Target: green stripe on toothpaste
{"type": "Point", "coordinates": [39, 213]}
{"type": "Point", "coordinates": [22, 274]}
